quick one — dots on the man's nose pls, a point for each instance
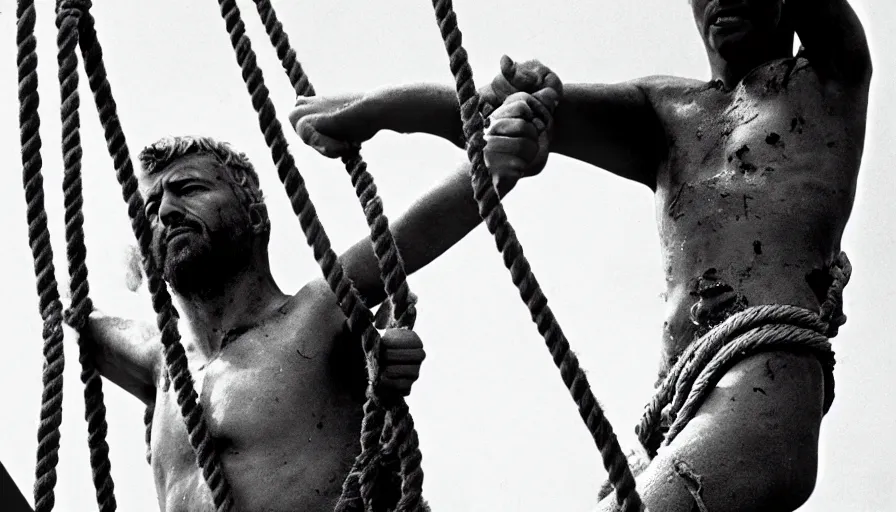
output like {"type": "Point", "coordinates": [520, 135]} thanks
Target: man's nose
{"type": "Point", "coordinates": [170, 211]}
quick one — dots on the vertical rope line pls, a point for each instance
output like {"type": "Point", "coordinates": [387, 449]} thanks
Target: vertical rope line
{"type": "Point", "coordinates": [384, 246]}
{"type": "Point", "coordinates": [48, 435]}
{"type": "Point", "coordinates": [68, 15]}
{"type": "Point", "coordinates": [166, 315]}
{"type": "Point", "coordinates": [492, 212]}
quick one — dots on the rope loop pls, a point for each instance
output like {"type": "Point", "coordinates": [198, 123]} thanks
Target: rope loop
{"type": "Point", "coordinates": [745, 333]}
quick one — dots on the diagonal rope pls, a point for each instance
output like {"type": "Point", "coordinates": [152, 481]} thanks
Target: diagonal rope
{"type": "Point", "coordinates": [389, 260]}
{"type": "Point", "coordinates": [166, 315]}
{"type": "Point", "coordinates": [68, 16]}
{"type": "Point", "coordinates": [359, 317]}
{"type": "Point", "coordinates": [42, 253]}
{"type": "Point", "coordinates": [491, 210]}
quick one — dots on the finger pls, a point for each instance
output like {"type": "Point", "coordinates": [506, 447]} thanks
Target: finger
{"type": "Point", "coordinates": [401, 339]}
{"type": "Point", "coordinates": [399, 372]}
{"type": "Point", "coordinates": [514, 108]}
{"type": "Point", "coordinates": [411, 355]}
{"type": "Point", "coordinates": [512, 127]}
{"type": "Point", "coordinates": [552, 81]}
{"type": "Point", "coordinates": [309, 130]}
{"type": "Point", "coordinates": [508, 67]}
{"type": "Point", "coordinates": [548, 98]}
{"type": "Point", "coordinates": [500, 147]}
{"type": "Point", "coordinates": [401, 387]}
{"type": "Point", "coordinates": [542, 113]}
{"type": "Point", "coordinates": [505, 164]}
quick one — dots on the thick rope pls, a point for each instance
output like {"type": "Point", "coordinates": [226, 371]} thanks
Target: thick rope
{"type": "Point", "coordinates": [166, 315]}
{"type": "Point", "coordinates": [359, 317]}
{"type": "Point", "coordinates": [45, 272]}
{"type": "Point", "coordinates": [492, 212]}
{"type": "Point", "coordinates": [68, 15]}
{"type": "Point", "coordinates": [390, 263]}
{"type": "Point", "coordinates": [760, 328]}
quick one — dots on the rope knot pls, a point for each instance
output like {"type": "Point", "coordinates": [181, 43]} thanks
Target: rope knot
{"type": "Point", "coordinates": [831, 312]}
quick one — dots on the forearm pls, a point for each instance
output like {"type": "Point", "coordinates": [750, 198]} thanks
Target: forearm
{"type": "Point", "coordinates": [124, 352]}
{"type": "Point", "coordinates": [833, 36]}
{"type": "Point", "coordinates": [419, 108]}
{"type": "Point", "coordinates": [432, 225]}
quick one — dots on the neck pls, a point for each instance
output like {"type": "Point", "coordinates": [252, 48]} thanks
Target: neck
{"type": "Point", "coordinates": [730, 73]}
{"type": "Point", "coordinates": [241, 301]}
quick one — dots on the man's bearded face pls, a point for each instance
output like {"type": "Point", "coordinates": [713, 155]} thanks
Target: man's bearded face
{"type": "Point", "coordinates": [201, 229]}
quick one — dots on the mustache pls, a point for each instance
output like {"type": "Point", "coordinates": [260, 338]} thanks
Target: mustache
{"type": "Point", "coordinates": [181, 227]}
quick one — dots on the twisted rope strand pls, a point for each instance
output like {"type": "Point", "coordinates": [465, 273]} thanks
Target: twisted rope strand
{"type": "Point", "coordinates": [166, 315]}
{"type": "Point", "coordinates": [496, 220]}
{"type": "Point", "coordinates": [50, 307]}
{"type": "Point", "coordinates": [384, 246]}
{"type": "Point", "coordinates": [760, 328]}
{"type": "Point", "coordinates": [359, 317]}
{"type": "Point", "coordinates": [67, 19]}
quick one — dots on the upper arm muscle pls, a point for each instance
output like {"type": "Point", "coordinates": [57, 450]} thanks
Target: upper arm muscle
{"type": "Point", "coordinates": [833, 36]}
{"type": "Point", "coordinates": [611, 126]}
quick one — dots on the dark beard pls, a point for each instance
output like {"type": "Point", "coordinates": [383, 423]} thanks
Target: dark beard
{"type": "Point", "coordinates": [203, 264]}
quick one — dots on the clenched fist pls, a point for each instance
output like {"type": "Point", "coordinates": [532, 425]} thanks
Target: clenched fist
{"type": "Point", "coordinates": [401, 356]}
{"type": "Point", "coordinates": [333, 125]}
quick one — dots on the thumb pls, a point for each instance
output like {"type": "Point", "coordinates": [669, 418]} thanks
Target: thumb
{"type": "Point", "coordinates": [552, 81]}
{"type": "Point", "coordinates": [310, 130]}
{"type": "Point", "coordinates": [508, 68]}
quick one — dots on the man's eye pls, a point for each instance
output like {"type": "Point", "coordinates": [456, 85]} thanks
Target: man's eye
{"type": "Point", "coordinates": [189, 189]}
{"type": "Point", "coordinates": [150, 210]}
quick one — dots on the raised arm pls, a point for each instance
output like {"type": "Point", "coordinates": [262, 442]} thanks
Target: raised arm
{"type": "Point", "coordinates": [432, 225]}
{"type": "Point", "coordinates": [330, 124]}
{"type": "Point", "coordinates": [128, 353]}
{"type": "Point", "coordinates": [516, 146]}
{"type": "Point", "coordinates": [833, 38]}
{"type": "Point", "coordinates": [612, 126]}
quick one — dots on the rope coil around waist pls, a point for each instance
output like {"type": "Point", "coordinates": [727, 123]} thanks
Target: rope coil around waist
{"type": "Point", "coordinates": [756, 329]}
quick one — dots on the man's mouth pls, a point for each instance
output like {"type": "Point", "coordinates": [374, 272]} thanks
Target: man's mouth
{"type": "Point", "coordinates": [728, 18]}
{"type": "Point", "coordinates": [174, 233]}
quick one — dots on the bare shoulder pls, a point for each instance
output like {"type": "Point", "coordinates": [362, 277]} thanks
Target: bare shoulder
{"type": "Point", "coordinates": [315, 310]}
{"type": "Point", "coordinates": [673, 98]}
{"type": "Point", "coordinates": [322, 323]}
{"type": "Point", "coordinates": [659, 87]}
{"type": "Point", "coordinates": [318, 296]}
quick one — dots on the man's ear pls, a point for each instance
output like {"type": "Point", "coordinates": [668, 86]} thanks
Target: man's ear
{"type": "Point", "coordinates": [258, 218]}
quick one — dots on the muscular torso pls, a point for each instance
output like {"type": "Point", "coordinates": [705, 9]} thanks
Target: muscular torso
{"type": "Point", "coordinates": [754, 193]}
{"type": "Point", "coordinates": [284, 418]}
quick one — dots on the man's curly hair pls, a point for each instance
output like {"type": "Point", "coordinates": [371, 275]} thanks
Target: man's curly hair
{"type": "Point", "coordinates": [162, 153]}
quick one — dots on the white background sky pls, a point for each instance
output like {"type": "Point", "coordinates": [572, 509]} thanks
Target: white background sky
{"type": "Point", "coordinates": [498, 429]}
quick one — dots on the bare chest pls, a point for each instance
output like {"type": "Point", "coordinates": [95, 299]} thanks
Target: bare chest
{"type": "Point", "coordinates": [272, 406]}
{"type": "Point", "coordinates": [781, 146]}
{"type": "Point", "coordinates": [779, 124]}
